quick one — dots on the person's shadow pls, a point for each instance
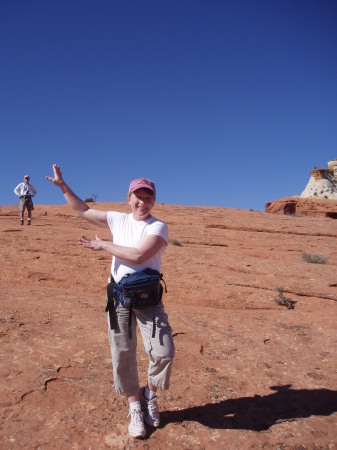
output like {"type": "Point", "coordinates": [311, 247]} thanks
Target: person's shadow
{"type": "Point", "coordinates": [258, 413]}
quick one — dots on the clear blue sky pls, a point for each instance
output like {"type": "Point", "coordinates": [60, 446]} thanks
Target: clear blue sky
{"type": "Point", "coordinates": [221, 102]}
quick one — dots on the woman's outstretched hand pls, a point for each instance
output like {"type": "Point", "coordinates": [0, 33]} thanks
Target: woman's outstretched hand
{"type": "Point", "coordinates": [57, 179]}
{"type": "Point", "coordinates": [96, 244]}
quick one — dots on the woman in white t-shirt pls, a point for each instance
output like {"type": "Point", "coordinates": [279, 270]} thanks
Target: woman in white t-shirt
{"type": "Point", "coordinates": [139, 240]}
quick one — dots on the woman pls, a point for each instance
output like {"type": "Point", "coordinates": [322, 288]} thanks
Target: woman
{"type": "Point", "coordinates": [139, 240]}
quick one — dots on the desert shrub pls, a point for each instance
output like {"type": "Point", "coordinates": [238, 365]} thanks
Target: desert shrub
{"type": "Point", "coordinates": [282, 300]}
{"type": "Point", "coordinates": [90, 199]}
{"type": "Point", "coordinates": [316, 258]}
{"type": "Point", "coordinates": [177, 243]}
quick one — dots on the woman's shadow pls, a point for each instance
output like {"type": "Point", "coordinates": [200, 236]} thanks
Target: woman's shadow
{"type": "Point", "coordinates": [258, 413]}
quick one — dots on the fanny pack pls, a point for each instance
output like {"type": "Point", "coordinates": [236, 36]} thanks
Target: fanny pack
{"type": "Point", "coordinates": [138, 290]}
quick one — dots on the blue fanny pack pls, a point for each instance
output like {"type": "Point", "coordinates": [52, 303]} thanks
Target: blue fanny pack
{"type": "Point", "coordinates": [137, 290]}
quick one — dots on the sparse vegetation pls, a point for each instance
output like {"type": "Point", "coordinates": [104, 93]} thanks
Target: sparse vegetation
{"type": "Point", "coordinates": [282, 300]}
{"type": "Point", "coordinates": [316, 258]}
{"type": "Point", "coordinates": [90, 199]}
{"type": "Point", "coordinates": [177, 243]}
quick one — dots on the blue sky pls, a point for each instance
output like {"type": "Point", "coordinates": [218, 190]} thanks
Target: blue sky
{"type": "Point", "coordinates": [221, 102]}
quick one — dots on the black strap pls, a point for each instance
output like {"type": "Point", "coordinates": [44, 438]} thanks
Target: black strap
{"type": "Point", "coordinates": [110, 306]}
{"type": "Point", "coordinates": [154, 325]}
{"type": "Point", "coordinates": [162, 279]}
{"type": "Point", "coordinates": [130, 323]}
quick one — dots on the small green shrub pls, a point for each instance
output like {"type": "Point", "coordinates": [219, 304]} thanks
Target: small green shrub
{"type": "Point", "coordinates": [90, 199]}
{"type": "Point", "coordinates": [316, 258]}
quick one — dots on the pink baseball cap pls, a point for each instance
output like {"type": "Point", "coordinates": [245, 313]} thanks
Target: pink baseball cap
{"type": "Point", "coordinates": [139, 183]}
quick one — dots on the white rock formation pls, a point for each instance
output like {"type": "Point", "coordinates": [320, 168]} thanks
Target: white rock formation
{"type": "Point", "coordinates": [322, 183]}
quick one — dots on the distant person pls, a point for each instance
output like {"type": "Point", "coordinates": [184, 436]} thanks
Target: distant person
{"type": "Point", "coordinates": [26, 192]}
{"type": "Point", "coordinates": [139, 240]}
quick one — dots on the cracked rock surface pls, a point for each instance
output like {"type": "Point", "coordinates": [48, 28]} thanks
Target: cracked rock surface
{"type": "Point", "coordinates": [249, 372]}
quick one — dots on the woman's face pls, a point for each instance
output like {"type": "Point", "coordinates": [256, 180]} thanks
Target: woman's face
{"type": "Point", "coordinates": [141, 202]}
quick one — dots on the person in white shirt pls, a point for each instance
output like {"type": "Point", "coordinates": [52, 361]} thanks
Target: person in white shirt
{"type": "Point", "coordinates": [25, 191]}
{"type": "Point", "coordinates": [139, 240]}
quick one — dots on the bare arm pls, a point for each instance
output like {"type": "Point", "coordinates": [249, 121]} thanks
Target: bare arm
{"type": "Point", "coordinates": [79, 206]}
{"type": "Point", "coordinates": [147, 248]}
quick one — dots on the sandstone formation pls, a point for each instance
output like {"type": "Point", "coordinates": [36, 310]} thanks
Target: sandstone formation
{"type": "Point", "coordinates": [319, 198]}
{"type": "Point", "coordinates": [251, 371]}
{"type": "Point", "coordinates": [304, 207]}
{"type": "Point", "coordinates": [322, 183]}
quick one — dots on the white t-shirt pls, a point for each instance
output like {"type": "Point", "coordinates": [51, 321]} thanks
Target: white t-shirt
{"type": "Point", "coordinates": [128, 232]}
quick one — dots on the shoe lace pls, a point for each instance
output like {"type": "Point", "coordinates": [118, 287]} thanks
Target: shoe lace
{"type": "Point", "coordinates": [153, 407]}
{"type": "Point", "coordinates": [136, 417]}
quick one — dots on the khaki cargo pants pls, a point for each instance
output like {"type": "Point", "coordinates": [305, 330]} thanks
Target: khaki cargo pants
{"type": "Point", "coordinates": [159, 349]}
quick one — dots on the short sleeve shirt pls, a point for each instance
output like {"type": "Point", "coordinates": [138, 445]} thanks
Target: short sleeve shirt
{"type": "Point", "coordinates": [128, 232]}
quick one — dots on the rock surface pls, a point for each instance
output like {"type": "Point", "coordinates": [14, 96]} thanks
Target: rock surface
{"type": "Point", "coordinates": [249, 373]}
{"type": "Point", "coordinates": [303, 207]}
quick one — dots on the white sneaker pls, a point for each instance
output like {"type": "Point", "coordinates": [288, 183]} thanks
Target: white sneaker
{"type": "Point", "coordinates": [151, 410]}
{"type": "Point", "coordinates": [136, 426]}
